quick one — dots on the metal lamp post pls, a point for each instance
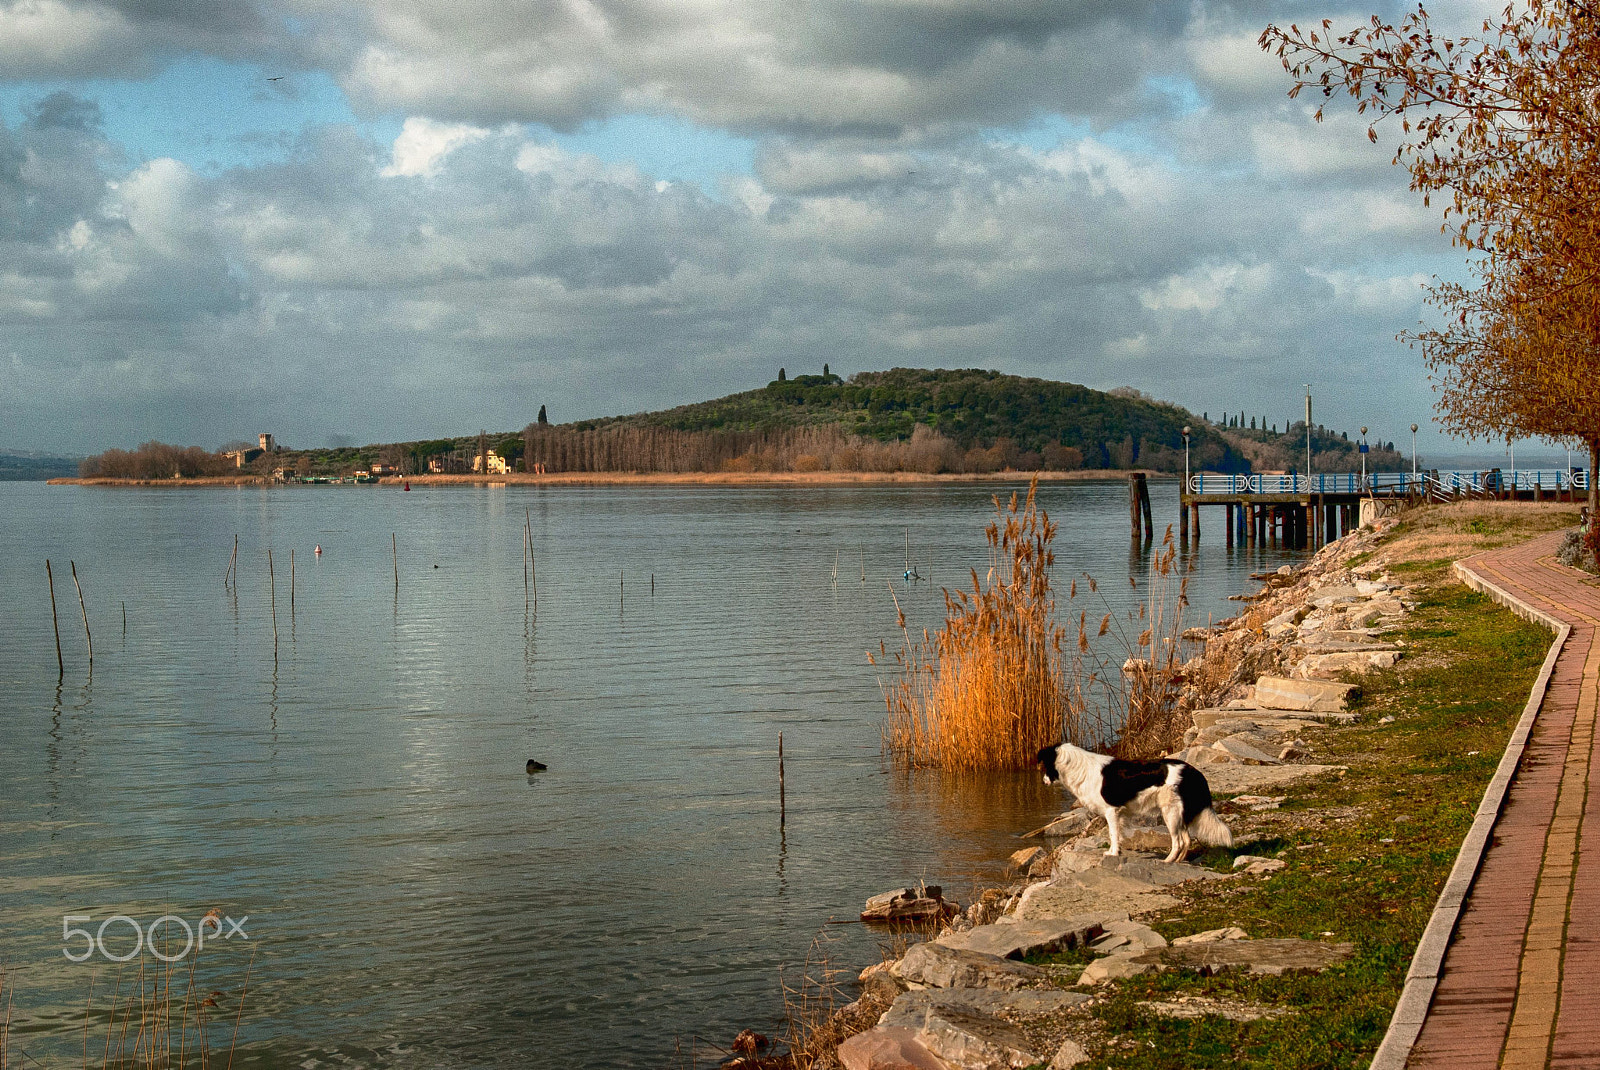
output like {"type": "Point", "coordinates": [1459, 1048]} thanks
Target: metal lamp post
{"type": "Point", "coordinates": [1186, 459]}
{"type": "Point", "coordinates": [1363, 460]}
{"type": "Point", "coordinates": [1413, 453]}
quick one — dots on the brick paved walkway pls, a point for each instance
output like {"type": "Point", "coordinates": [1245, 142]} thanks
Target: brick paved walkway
{"type": "Point", "coordinates": [1520, 983]}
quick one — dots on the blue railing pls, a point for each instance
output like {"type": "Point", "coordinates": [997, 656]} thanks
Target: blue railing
{"type": "Point", "coordinates": [1399, 484]}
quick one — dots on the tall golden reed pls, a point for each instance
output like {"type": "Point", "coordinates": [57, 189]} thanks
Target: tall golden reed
{"type": "Point", "coordinates": [987, 691]}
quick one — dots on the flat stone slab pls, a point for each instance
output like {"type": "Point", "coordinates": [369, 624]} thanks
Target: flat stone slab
{"type": "Point", "coordinates": [1015, 938]}
{"type": "Point", "coordinates": [1091, 890]}
{"type": "Point", "coordinates": [1335, 645]}
{"type": "Point", "coordinates": [938, 966]}
{"type": "Point", "coordinates": [1235, 779]}
{"type": "Point", "coordinates": [974, 1028]}
{"type": "Point", "coordinates": [1361, 662]}
{"type": "Point", "coordinates": [1258, 956]}
{"type": "Point", "coordinates": [1308, 696]}
{"type": "Point", "coordinates": [1139, 867]}
{"type": "Point", "coordinates": [887, 1048]}
{"type": "Point", "coordinates": [1244, 750]}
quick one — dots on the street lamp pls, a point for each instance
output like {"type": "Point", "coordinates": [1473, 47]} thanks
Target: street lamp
{"type": "Point", "coordinates": [1413, 453]}
{"type": "Point", "coordinates": [1363, 452]}
{"type": "Point", "coordinates": [1186, 458]}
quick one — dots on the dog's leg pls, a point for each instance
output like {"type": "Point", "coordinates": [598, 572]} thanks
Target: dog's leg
{"type": "Point", "coordinates": [1172, 814]}
{"type": "Point", "coordinates": [1113, 831]}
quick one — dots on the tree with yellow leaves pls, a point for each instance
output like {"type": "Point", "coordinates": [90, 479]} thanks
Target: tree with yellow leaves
{"type": "Point", "coordinates": [1509, 124]}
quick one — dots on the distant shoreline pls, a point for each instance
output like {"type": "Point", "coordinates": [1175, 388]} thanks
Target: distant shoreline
{"type": "Point", "coordinates": [650, 478]}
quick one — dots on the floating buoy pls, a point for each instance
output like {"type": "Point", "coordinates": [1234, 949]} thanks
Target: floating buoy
{"type": "Point", "coordinates": [319, 549]}
{"type": "Point", "coordinates": [534, 767]}
{"type": "Point", "coordinates": [408, 484]}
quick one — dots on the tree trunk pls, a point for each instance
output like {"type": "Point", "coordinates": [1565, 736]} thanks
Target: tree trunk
{"type": "Point", "coordinates": [1594, 484]}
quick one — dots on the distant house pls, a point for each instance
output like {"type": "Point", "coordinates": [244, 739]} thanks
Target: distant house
{"type": "Point", "coordinates": [435, 464]}
{"type": "Point", "coordinates": [498, 465]}
{"type": "Point", "coordinates": [384, 470]}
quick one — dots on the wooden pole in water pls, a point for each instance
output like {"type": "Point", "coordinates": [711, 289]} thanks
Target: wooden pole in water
{"type": "Point", "coordinates": [272, 586]}
{"type": "Point", "coordinates": [394, 548]}
{"type": "Point", "coordinates": [652, 585]}
{"type": "Point", "coordinates": [124, 618]}
{"type": "Point", "coordinates": [619, 588]}
{"type": "Point", "coordinates": [291, 581]}
{"type": "Point", "coordinates": [86, 636]}
{"type": "Point", "coordinates": [782, 802]}
{"type": "Point", "coordinates": [233, 561]}
{"type": "Point", "coordinates": [1133, 502]}
{"type": "Point", "coordinates": [61, 666]}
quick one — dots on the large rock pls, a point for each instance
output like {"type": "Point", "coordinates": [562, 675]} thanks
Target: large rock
{"type": "Point", "coordinates": [888, 1048]}
{"type": "Point", "coordinates": [1077, 894]}
{"type": "Point", "coordinates": [908, 904]}
{"type": "Point", "coordinates": [1243, 749]}
{"type": "Point", "coordinates": [1320, 665]}
{"type": "Point", "coordinates": [1067, 1056]}
{"type": "Point", "coordinates": [975, 1028]}
{"type": "Point", "coordinates": [938, 966]}
{"type": "Point", "coordinates": [1114, 968]}
{"type": "Point", "coordinates": [1309, 696]}
{"type": "Point", "coordinates": [1231, 779]}
{"type": "Point", "coordinates": [1138, 867]}
{"type": "Point", "coordinates": [1257, 956]}
{"type": "Point", "coordinates": [1015, 938]}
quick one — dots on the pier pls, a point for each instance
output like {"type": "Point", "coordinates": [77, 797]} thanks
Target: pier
{"type": "Point", "coordinates": [1300, 512]}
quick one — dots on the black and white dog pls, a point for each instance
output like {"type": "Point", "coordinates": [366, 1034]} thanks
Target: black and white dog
{"type": "Point", "coordinates": [1111, 785]}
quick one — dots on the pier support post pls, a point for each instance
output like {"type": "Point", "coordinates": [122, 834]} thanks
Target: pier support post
{"type": "Point", "coordinates": [1228, 512]}
{"type": "Point", "coordinates": [1194, 524]}
{"type": "Point", "coordinates": [1183, 518]}
{"type": "Point", "coordinates": [1133, 503]}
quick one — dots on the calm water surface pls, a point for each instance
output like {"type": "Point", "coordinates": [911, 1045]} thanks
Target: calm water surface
{"type": "Point", "coordinates": [413, 898]}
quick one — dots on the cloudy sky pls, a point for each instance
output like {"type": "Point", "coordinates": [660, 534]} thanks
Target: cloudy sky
{"type": "Point", "coordinates": [392, 219]}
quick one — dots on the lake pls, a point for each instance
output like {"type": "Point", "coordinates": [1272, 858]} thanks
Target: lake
{"type": "Point", "coordinates": [352, 794]}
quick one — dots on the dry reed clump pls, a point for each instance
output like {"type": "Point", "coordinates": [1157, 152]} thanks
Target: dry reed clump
{"type": "Point", "coordinates": [987, 691]}
{"type": "Point", "coordinates": [997, 683]}
{"type": "Point", "coordinates": [1155, 719]}
{"type": "Point", "coordinates": [149, 1026]}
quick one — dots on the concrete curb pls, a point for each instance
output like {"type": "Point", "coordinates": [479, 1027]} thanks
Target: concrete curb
{"type": "Point", "coordinates": [1423, 976]}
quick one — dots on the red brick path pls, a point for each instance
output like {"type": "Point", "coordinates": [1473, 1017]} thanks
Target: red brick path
{"type": "Point", "coordinates": [1520, 983]}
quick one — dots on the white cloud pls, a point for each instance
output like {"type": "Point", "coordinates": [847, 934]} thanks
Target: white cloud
{"type": "Point", "coordinates": [422, 144]}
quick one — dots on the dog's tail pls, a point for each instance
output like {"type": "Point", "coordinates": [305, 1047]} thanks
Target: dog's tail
{"type": "Point", "coordinates": [1208, 828]}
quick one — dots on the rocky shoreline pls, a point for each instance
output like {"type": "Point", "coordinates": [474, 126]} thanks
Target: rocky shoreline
{"type": "Point", "coordinates": [1266, 691]}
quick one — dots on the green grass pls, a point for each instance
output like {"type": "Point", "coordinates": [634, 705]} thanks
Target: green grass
{"type": "Point", "coordinates": [1415, 782]}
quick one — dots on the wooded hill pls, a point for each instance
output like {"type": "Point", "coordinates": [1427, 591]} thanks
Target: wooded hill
{"type": "Point", "coordinates": [905, 419]}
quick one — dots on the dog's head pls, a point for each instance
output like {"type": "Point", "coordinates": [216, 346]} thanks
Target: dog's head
{"type": "Point", "coordinates": [1047, 762]}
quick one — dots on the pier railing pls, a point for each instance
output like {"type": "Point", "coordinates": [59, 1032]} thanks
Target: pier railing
{"type": "Point", "coordinates": [1432, 484]}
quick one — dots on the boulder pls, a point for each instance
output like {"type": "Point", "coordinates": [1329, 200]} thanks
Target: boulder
{"type": "Point", "coordinates": [976, 1029]}
{"type": "Point", "coordinates": [1077, 894]}
{"type": "Point", "coordinates": [1128, 936]}
{"type": "Point", "coordinates": [1335, 595]}
{"type": "Point", "coordinates": [1113, 968]}
{"type": "Point", "coordinates": [1307, 696]}
{"type": "Point", "coordinates": [1321, 665]}
{"type": "Point", "coordinates": [937, 966]}
{"type": "Point", "coordinates": [1070, 1054]}
{"type": "Point", "coordinates": [1021, 860]}
{"type": "Point", "coordinates": [1258, 956]}
{"type": "Point", "coordinates": [887, 1048]}
{"type": "Point", "coordinates": [1014, 938]}
{"type": "Point", "coordinates": [1242, 750]}
{"type": "Point", "coordinates": [908, 904]}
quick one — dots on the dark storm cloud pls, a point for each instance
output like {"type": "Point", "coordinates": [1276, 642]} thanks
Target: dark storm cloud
{"type": "Point", "coordinates": [1187, 230]}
